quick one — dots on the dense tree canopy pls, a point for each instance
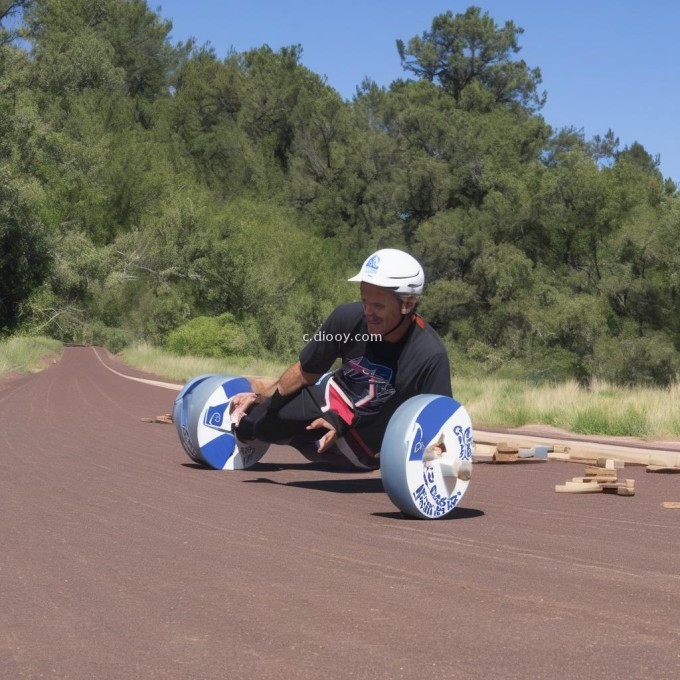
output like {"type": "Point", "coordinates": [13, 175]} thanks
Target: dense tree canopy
{"type": "Point", "coordinates": [156, 191]}
{"type": "Point", "coordinates": [469, 56]}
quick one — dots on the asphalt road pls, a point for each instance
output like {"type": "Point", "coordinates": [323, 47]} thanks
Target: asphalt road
{"type": "Point", "coordinates": [120, 558]}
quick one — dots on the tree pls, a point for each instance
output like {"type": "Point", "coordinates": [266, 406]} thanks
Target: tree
{"type": "Point", "coordinates": [24, 253]}
{"type": "Point", "coordinates": [466, 49]}
{"type": "Point", "coordinates": [205, 113]}
{"type": "Point", "coordinates": [94, 39]}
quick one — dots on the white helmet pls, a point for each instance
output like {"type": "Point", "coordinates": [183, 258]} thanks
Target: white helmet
{"type": "Point", "coordinates": [393, 269]}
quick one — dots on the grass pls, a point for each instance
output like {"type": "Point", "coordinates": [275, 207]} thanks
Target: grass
{"type": "Point", "coordinates": [492, 402]}
{"type": "Point", "coordinates": [154, 360]}
{"type": "Point", "coordinates": [605, 409]}
{"type": "Point", "coordinates": [26, 354]}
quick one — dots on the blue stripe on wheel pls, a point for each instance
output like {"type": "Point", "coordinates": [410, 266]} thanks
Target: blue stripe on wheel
{"type": "Point", "coordinates": [236, 386]}
{"type": "Point", "coordinates": [217, 452]}
{"type": "Point", "coordinates": [429, 421]}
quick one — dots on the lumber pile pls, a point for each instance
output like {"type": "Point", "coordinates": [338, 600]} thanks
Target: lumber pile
{"type": "Point", "coordinates": [508, 453]}
{"type": "Point", "coordinates": [602, 461]}
{"type": "Point", "coordinates": [515, 449]}
{"type": "Point", "coordinates": [599, 479]}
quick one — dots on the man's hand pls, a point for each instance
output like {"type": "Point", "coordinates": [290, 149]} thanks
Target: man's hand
{"type": "Point", "coordinates": [240, 403]}
{"type": "Point", "coordinates": [328, 438]}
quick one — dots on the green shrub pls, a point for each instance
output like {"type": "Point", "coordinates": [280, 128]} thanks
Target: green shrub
{"type": "Point", "coordinates": [114, 339]}
{"type": "Point", "coordinates": [211, 336]}
{"type": "Point", "coordinates": [644, 361]}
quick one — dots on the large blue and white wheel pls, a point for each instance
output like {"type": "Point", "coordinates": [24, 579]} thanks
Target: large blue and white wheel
{"type": "Point", "coordinates": [201, 415]}
{"type": "Point", "coordinates": [426, 456]}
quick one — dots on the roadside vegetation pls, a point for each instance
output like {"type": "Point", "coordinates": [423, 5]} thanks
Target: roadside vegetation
{"type": "Point", "coordinates": [27, 354]}
{"type": "Point", "coordinates": [602, 409]}
{"type": "Point", "coordinates": [492, 401]}
{"type": "Point", "coordinates": [181, 368]}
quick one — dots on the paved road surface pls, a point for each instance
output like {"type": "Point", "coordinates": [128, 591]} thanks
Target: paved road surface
{"type": "Point", "coordinates": [119, 558]}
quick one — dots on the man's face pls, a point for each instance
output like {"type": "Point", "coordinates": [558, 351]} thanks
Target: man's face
{"type": "Point", "coordinates": [382, 308]}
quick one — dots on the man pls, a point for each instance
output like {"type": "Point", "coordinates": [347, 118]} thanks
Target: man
{"type": "Point", "coordinates": [388, 353]}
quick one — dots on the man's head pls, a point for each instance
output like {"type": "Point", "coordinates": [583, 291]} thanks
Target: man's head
{"type": "Point", "coordinates": [391, 284]}
{"type": "Point", "coordinates": [384, 311]}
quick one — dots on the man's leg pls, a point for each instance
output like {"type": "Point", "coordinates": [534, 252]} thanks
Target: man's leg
{"type": "Point", "coordinates": [284, 420]}
{"type": "Point", "coordinates": [278, 419]}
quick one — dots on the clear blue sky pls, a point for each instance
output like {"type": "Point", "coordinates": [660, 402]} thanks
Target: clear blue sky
{"type": "Point", "coordinates": [604, 64]}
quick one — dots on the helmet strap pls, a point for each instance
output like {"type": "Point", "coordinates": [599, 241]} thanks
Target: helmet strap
{"type": "Point", "coordinates": [394, 328]}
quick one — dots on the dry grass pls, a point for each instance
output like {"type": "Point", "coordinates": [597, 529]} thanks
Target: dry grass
{"type": "Point", "coordinates": [492, 402]}
{"type": "Point", "coordinates": [182, 368]}
{"type": "Point", "coordinates": [604, 409]}
{"type": "Point", "coordinates": [25, 354]}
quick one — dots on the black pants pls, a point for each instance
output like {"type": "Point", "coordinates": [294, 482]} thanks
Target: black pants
{"type": "Point", "coordinates": [279, 419]}
{"type": "Point", "coordinates": [284, 420]}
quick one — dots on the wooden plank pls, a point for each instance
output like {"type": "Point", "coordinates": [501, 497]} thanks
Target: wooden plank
{"type": "Point", "coordinates": [580, 458]}
{"type": "Point", "coordinates": [663, 460]}
{"type": "Point", "coordinates": [576, 485]}
{"type": "Point", "coordinates": [596, 479]}
{"type": "Point", "coordinates": [505, 457]}
{"type": "Point", "coordinates": [663, 469]}
{"type": "Point", "coordinates": [504, 447]}
{"type": "Point", "coordinates": [671, 505]}
{"type": "Point", "coordinates": [623, 488]}
{"type": "Point", "coordinates": [594, 471]}
{"type": "Point", "coordinates": [629, 454]}
{"type": "Point", "coordinates": [609, 463]}
{"type": "Point", "coordinates": [578, 488]}
{"type": "Point", "coordinates": [165, 418]}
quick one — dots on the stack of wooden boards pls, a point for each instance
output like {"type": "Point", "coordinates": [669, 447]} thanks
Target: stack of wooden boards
{"type": "Point", "coordinates": [601, 473]}
{"type": "Point", "coordinates": [600, 478]}
{"type": "Point", "coordinates": [486, 450]}
{"type": "Point", "coordinates": [504, 452]}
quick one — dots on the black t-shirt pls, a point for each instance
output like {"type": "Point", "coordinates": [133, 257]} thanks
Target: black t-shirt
{"type": "Point", "coordinates": [377, 375]}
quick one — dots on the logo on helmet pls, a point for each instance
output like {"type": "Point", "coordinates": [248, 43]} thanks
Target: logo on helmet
{"type": "Point", "coordinates": [373, 264]}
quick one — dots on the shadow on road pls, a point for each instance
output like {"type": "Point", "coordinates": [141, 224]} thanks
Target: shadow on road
{"type": "Point", "coordinates": [373, 485]}
{"type": "Point", "coordinates": [457, 513]}
{"type": "Point", "coordinates": [278, 467]}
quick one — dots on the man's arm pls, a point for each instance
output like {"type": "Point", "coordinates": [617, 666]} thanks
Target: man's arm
{"type": "Point", "coordinates": [292, 381]}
